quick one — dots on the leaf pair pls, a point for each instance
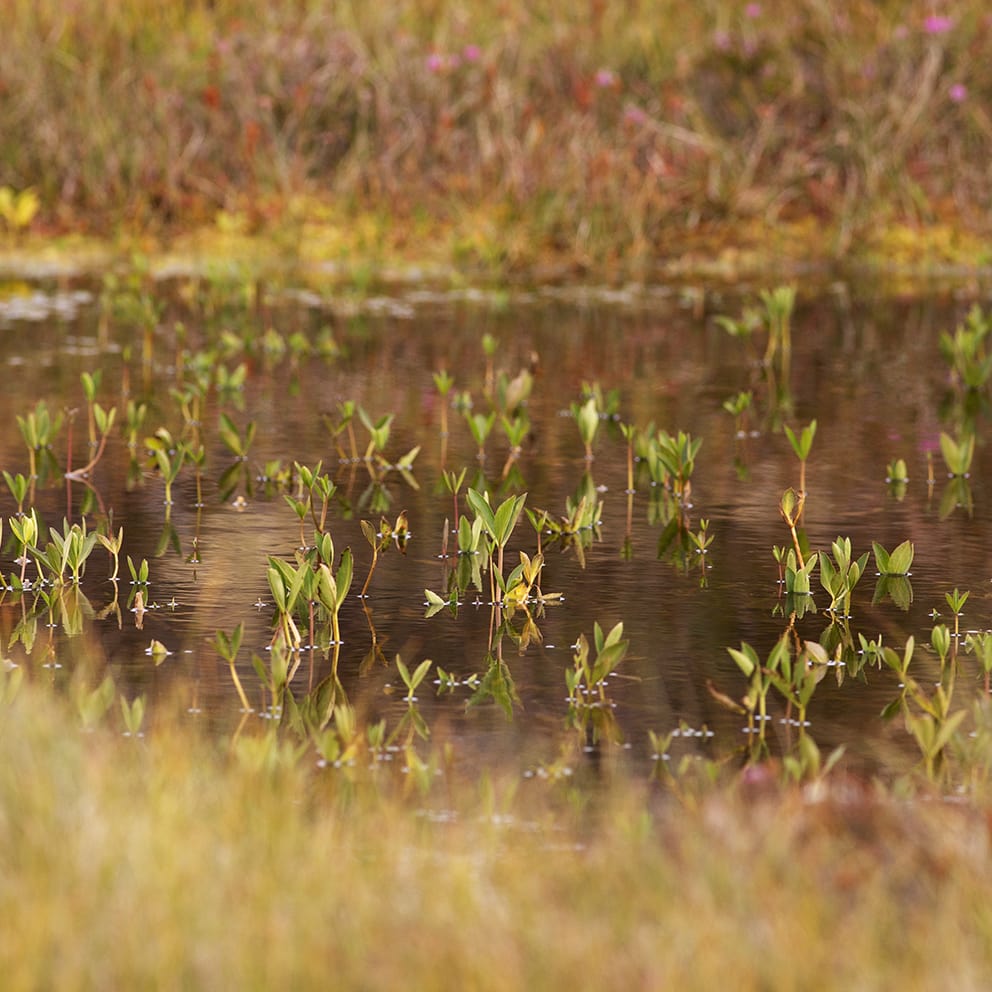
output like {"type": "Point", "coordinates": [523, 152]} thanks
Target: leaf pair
{"type": "Point", "coordinates": [896, 562]}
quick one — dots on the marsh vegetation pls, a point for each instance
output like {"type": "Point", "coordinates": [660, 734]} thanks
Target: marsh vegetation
{"type": "Point", "coordinates": [269, 537]}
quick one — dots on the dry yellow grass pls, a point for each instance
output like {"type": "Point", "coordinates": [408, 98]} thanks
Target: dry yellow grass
{"type": "Point", "coordinates": [175, 862]}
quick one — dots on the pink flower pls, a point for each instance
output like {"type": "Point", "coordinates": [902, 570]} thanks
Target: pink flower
{"type": "Point", "coordinates": [634, 115]}
{"type": "Point", "coordinates": [471, 53]}
{"type": "Point", "coordinates": [958, 93]}
{"type": "Point", "coordinates": [752, 10]}
{"type": "Point", "coordinates": [936, 24]}
{"type": "Point", "coordinates": [435, 62]}
{"type": "Point", "coordinates": [605, 78]}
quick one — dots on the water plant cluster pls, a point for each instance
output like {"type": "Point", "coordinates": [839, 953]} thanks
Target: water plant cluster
{"type": "Point", "coordinates": [493, 550]}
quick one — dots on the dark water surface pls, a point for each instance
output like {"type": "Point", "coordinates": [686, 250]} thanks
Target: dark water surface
{"type": "Point", "coordinates": [866, 366]}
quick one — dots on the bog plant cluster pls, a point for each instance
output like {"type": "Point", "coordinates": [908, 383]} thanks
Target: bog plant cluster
{"type": "Point", "coordinates": [293, 698]}
{"type": "Point", "coordinates": [590, 134]}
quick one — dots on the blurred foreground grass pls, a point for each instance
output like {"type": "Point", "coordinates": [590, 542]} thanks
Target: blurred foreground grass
{"type": "Point", "coordinates": [175, 861]}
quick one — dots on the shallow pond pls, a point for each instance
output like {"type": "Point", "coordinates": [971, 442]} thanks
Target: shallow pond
{"type": "Point", "coordinates": [867, 366]}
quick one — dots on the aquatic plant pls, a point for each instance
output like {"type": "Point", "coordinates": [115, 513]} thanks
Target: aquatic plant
{"type": "Point", "coordinates": [169, 456]}
{"type": "Point", "coordinates": [791, 509]}
{"type": "Point", "coordinates": [796, 576]}
{"type": "Point", "coordinates": [897, 477]}
{"type": "Point", "coordinates": [113, 543]}
{"type": "Point", "coordinates": [671, 460]}
{"type": "Point", "coordinates": [738, 406]}
{"type": "Point", "coordinates": [896, 471]}
{"type": "Point", "coordinates": [587, 417]}
{"type": "Point", "coordinates": [100, 422]}
{"type": "Point", "coordinates": [227, 646]}
{"type": "Point", "coordinates": [25, 531]}
{"type": "Point", "coordinates": [797, 678]}
{"type": "Point", "coordinates": [139, 573]}
{"type": "Point", "coordinates": [957, 453]}
{"type": "Point", "coordinates": [966, 351]}
{"type": "Point", "coordinates": [93, 704]}
{"type": "Point", "coordinates": [412, 680]}
{"type": "Point", "coordinates": [345, 422]}
{"type": "Point", "coordinates": [134, 418]}
{"type": "Point", "coordinates": [779, 304]}
{"type": "Point", "coordinates": [592, 664]}
{"type": "Point", "coordinates": [516, 431]}
{"type": "Point", "coordinates": [760, 681]}
{"type": "Point", "coordinates": [443, 383]}
{"type": "Point", "coordinates": [498, 525]}
{"type": "Point", "coordinates": [840, 573]}
{"type": "Point", "coordinates": [453, 483]}
{"type": "Point", "coordinates": [490, 345]}
{"type": "Point", "coordinates": [379, 540]}
{"type": "Point", "coordinates": [801, 445]}
{"type": "Point", "coordinates": [980, 645]}
{"type": "Point", "coordinates": [237, 442]}
{"type": "Point", "coordinates": [511, 395]}
{"type": "Point", "coordinates": [67, 549]}
{"type": "Point", "coordinates": [480, 425]}
{"type": "Point", "coordinates": [379, 431]}
{"type": "Point", "coordinates": [897, 562]}
{"type": "Point", "coordinates": [19, 487]}
{"type": "Point", "coordinates": [133, 714]}
{"type": "Point", "coordinates": [38, 429]}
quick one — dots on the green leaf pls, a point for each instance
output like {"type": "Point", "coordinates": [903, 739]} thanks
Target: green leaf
{"type": "Point", "coordinates": [746, 658]}
{"type": "Point", "coordinates": [277, 588]}
{"type": "Point", "coordinates": [901, 558]}
{"type": "Point", "coordinates": [881, 558]}
{"type": "Point", "coordinates": [506, 518]}
{"type": "Point", "coordinates": [947, 731]}
{"type": "Point", "coordinates": [346, 568]}
{"type": "Point", "coordinates": [480, 506]}
{"type": "Point", "coordinates": [421, 671]}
